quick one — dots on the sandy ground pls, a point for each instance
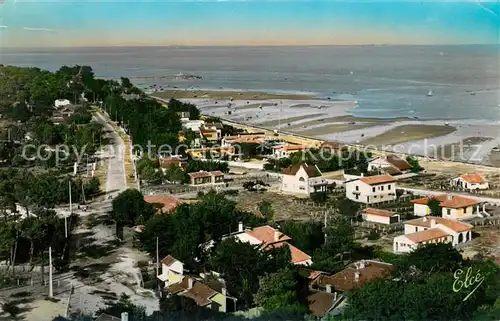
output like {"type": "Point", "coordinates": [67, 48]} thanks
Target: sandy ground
{"type": "Point", "coordinates": [247, 95]}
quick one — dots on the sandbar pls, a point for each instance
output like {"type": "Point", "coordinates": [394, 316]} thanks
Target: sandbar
{"type": "Point", "coordinates": [215, 94]}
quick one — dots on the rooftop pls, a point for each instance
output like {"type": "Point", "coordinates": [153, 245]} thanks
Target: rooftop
{"type": "Point", "coordinates": [266, 234]}
{"type": "Point", "coordinates": [168, 202]}
{"type": "Point", "coordinates": [473, 178]}
{"type": "Point", "coordinates": [311, 170]}
{"type": "Point", "coordinates": [169, 260]}
{"type": "Point", "coordinates": [451, 224]}
{"type": "Point", "coordinates": [398, 162]}
{"type": "Point", "coordinates": [449, 201]}
{"type": "Point", "coordinates": [320, 302]}
{"type": "Point", "coordinates": [377, 179]}
{"type": "Point", "coordinates": [426, 235]}
{"type": "Point", "coordinates": [378, 212]}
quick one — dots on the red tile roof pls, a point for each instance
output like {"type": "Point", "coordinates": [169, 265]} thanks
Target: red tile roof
{"type": "Point", "coordinates": [377, 179]}
{"type": "Point", "coordinates": [473, 178]}
{"type": "Point", "coordinates": [320, 302]}
{"type": "Point", "coordinates": [398, 162]}
{"type": "Point", "coordinates": [200, 293]}
{"type": "Point", "coordinates": [217, 173]}
{"type": "Point", "coordinates": [345, 280]}
{"type": "Point", "coordinates": [266, 234]}
{"type": "Point", "coordinates": [378, 212]}
{"type": "Point", "coordinates": [170, 161]}
{"type": "Point", "coordinates": [426, 235]}
{"type": "Point", "coordinates": [311, 170]}
{"type": "Point", "coordinates": [169, 260]}
{"type": "Point", "coordinates": [455, 201]}
{"type": "Point", "coordinates": [451, 224]}
{"type": "Point", "coordinates": [297, 255]}
{"type": "Point", "coordinates": [169, 203]}
{"type": "Point", "coordinates": [199, 174]}
{"type": "Point", "coordinates": [287, 148]}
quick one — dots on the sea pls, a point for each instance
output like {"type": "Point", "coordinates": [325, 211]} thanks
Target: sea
{"type": "Point", "coordinates": [424, 82]}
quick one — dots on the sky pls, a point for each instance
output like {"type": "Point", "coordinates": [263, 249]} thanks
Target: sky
{"type": "Point", "coordinates": [68, 23]}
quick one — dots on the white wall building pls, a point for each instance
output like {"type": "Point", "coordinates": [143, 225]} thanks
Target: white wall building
{"type": "Point", "coordinates": [193, 125]}
{"type": "Point", "coordinates": [303, 179]}
{"type": "Point", "coordinates": [371, 189]}
{"type": "Point", "coordinates": [391, 164]}
{"type": "Point", "coordinates": [284, 151]}
{"type": "Point", "coordinates": [430, 229]}
{"type": "Point", "coordinates": [452, 206]}
{"type": "Point", "coordinates": [376, 215]}
{"type": "Point", "coordinates": [172, 271]}
{"type": "Point", "coordinates": [61, 103]}
{"type": "Point", "coordinates": [470, 182]}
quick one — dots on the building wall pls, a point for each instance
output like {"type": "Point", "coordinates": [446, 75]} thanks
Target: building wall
{"type": "Point", "coordinates": [401, 244]}
{"type": "Point", "coordinates": [421, 210]}
{"type": "Point", "coordinates": [220, 300]}
{"type": "Point", "coordinates": [469, 186]}
{"type": "Point", "coordinates": [293, 183]}
{"type": "Point", "coordinates": [413, 228]}
{"type": "Point", "coordinates": [377, 219]}
{"type": "Point", "coordinates": [367, 195]}
{"type": "Point", "coordinates": [457, 213]}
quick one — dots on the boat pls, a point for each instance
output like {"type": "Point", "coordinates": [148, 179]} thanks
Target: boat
{"type": "Point", "coordinates": [430, 93]}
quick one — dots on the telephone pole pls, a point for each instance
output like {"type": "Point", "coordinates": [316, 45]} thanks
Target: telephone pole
{"type": "Point", "coordinates": [157, 259]}
{"type": "Point", "coordinates": [70, 212]}
{"type": "Point", "coordinates": [51, 292]}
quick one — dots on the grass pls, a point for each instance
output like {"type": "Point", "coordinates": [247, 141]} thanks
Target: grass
{"type": "Point", "coordinates": [406, 133]}
{"type": "Point", "coordinates": [226, 95]}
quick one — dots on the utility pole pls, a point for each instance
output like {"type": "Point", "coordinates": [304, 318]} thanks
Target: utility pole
{"type": "Point", "coordinates": [325, 226]}
{"type": "Point", "coordinates": [51, 292]}
{"type": "Point", "coordinates": [70, 212]}
{"type": "Point", "coordinates": [157, 259]}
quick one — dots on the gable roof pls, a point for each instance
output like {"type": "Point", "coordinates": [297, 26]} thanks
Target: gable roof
{"type": "Point", "coordinates": [168, 202]}
{"type": "Point", "coordinates": [199, 174]}
{"type": "Point", "coordinates": [107, 317]}
{"type": "Point", "coordinates": [200, 293]}
{"type": "Point", "coordinates": [344, 280]}
{"type": "Point", "coordinates": [426, 235]}
{"type": "Point", "coordinates": [297, 255]}
{"type": "Point", "coordinates": [266, 234]}
{"type": "Point", "coordinates": [451, 224]}
{"type": "Point", "coordinates": [398, 162]}
{"type": "Point", "coordinates": [287, 148]}
{"type": "Point", "coordinates": [311, 170]}
{"type": "Point", "coordinates": [473, 178]}
{"type": "Point", "coordinates": [378, 212]}
{"type": "Point", "coordinates": [449, 201]}
{"type": "Point", "coordinates": [320, 302]}
{"type": "Point", "coordinates": [169, 260]}
{"type": "Point", "coordinates": [377, 179]}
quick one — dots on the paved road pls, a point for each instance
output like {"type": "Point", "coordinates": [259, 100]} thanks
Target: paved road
{"type": "Point", "coordinates": [116, 180]}
{"type": "Point", "coordinates": [424, 192]}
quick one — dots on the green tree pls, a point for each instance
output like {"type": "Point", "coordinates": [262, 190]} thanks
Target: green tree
{"type": "Point", "coordinates": [279, 292]}
{"type": "Point", "coordinates": [129, 208]}
{"type": "Point", "coordinates": [414, 164]}
{"type": "Point", "coordinates": [435, 207]}
{"type": "Point", "coordinates": [319, 197]}
{"type": "Point", "coordinates": [307, 236]}
{"type": "Point", "coordinates": [266, 208]}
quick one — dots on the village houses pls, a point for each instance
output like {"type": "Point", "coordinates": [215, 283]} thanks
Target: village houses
{"type": "Point", "coordinates": [452, 206]}
{"type": "Point", "coordinates": [430, 229]}
{"type": "Point", "coordinates": [376, 215]}
{"type": "Point", "coordinates": [284, 151]}
{"type": "Point", "coordinates": [203, 177]}
{"type": "Point", "coordinates": [371, 189]}
{"type": "Point", "coordinates": [470, 182]}
{"type": "Point", "coordinates": [303, 179]}
{"type": "Point", "coordinates": [391, 164]}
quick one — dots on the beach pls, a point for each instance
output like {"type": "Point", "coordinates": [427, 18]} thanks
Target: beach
{"type": "Point", "coordinates": [333, 120]}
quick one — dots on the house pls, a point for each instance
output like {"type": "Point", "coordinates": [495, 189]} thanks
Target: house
{"type": "Point", "coordinates": [371, 189]}
{"type": "Point", "coordinates": [203, 177]}
{"type": "Point", "coordinates": [183, 115]}
{"type": "Point", "coordinates": [208, 290]}
{"type": "Point", "coordinates": [452, 206]}
{"type": "Point", "coordinates": [200, 153]}
{"type": "Point", "coordinates": [268, 237]}
{"type": "Point", "coordinates": [165, 203]}
{"type": "Point", "coordinates": [210, 135]}
{"type": "Point", "coordinates": [61, 103]}
{"type": "Point", "coordinates": [391, 164]}
{"type": "Point", "coordinates": [303, 179]}
{"type": "Point", "coordinates": [430, 229]}
{"type": "Point", "coordinates": [327, 291]}
{"type": "Point", "coordinates": [380, 216]}
{"type": "Point", "coordinates": [470, 182]}
{"type": "Point", "coordinates": [284, 151]}
{"type": "Point", "coordinates": [172, 161]}
{"type": "Point", "coordinates": [193, 125]}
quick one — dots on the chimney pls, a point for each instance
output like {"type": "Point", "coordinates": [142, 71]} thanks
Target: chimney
{"type": "Point", "coordinates": [334, 296]}
{"type": "Point", "coordinates": [276, 235]}
{"type": "Point", "coordinates": [362, 174]}
{"type": "Point", "coordinates": [240, 227]}
{"type": "Point", "coordinates": [424, 219]}
{"type": "Point", "coordinates": [124, 316]}
{"type": "Point", "coordinates": [361, 264]}
{"type": "Point", "coordinates": [449, 197]}
{"type": "Point", "coordinates": [329, 288]}
{"type": "Point", "coordinates": [356, 276]}
{"type": "Point", "coordinates": [224, 291]}
{"type": "Point", "coordinates": [433, 223]}
{"type": "Point", "coordinates": [190, 283]}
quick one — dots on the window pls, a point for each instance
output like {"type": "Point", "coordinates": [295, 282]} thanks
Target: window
{"type": "Point", "coordinates": [448, 211]}
{"type": "Point", "coordinates": [374, 196]}
{"type": "Point", "coordinates": [381, 188]}
{"type": "Point", "coordinates": [301, 179]}
{"type": "Point", "coordinates": [389, 187]}
{"type": "Point", "coordinates": [368, 199]}
{"type": "Point", "coordinates": [357, 187]}
{"type": "Point", "coordinates": [357, 196]}
{"type": "Point", "coordinates": [373, 189]}
{"type": "Point", "coordinates": [416, 229]}
{"type": "Point", "coordinates": [302, 188]}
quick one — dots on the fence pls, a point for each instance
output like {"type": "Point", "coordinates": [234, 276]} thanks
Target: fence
{"type": "Point", "coordinates": [486, 221]}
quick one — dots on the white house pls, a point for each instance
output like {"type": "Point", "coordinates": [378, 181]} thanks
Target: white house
{"type": "Point", "coordinates": [391, 164]}
{"type": "Point", "coordinates": [172, 271]}
{"type": "Point", "coordinates": [303, 179]}
{"type": "Point", "coordinates": [470, 182]}
{"type": "Point", "coordinates": [61, 103]}
{"type": "Point", "coordinates": [380, 216]}
{"type": "Point", "coordinates": [284, 151]}
{"type": "Point", "coordinates": [452, 206]}
{"type": "Point", "coordinates": [268, 237]}
{"type": "Point", "coordinates": [193, 125]}
{"type": "Point", "coordinates": [371, 189]}
{"type": "Point", "coordinates": [430, 229]}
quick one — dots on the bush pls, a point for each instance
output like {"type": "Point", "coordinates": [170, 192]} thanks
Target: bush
{"type": "Point", "coordinates": [373, 235]}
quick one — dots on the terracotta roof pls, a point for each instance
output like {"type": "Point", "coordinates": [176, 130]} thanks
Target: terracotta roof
{"type": "Point", "coordinates": [398, 162]}
{"type": "Point", "coordinates": [169, 260]}
{"type": "Point", "coordinates": [199, 174]}
{"type": "Point", "coordinates": [297, 255]}
{"type": "Point", "coordinates": [455, 201]}
{"type": "Point", "coordinates": [287, 148]}
{"type": "Point", "coordinates": [169, 161]}
{"type": "Point", "coordinates": [180, 286]}
{"type": "Point", "coordinates": [378, 212]}
{"type": "Point", "coordinates": [451, 224]}
{"type": "Point", "coordinates": [345, 280]}
{"type": "Point", "coordinates": [310, 273]}
{"type": "Point", "coordinates": [168, 202]}
{"type": "Point", "coordinates": [266, 234]}
{"type": "Point", "coordinates": [311, 170]}
{"type": "Point", "coordinates": [391, 170]}
{"type": "Point", "coordinates": [377, 179]}
{"type": "Point", "coordinates": [426, 235]}
{"type": "Point", "coordinates": [200, 293]}
{"type": "Point", "coordinates": [217, 173]}
{"type": "Point", "coordinates": [473, 178]}
{"type": "Point", "coordinates": [320, 302]}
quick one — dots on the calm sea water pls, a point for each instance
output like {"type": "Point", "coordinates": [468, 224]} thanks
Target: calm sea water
{"type": "Point", "coordinates": [387, 81]}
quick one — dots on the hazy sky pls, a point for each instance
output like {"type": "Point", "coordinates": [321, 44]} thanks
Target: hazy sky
{"type": "Point", "coordinates": [36, 23]}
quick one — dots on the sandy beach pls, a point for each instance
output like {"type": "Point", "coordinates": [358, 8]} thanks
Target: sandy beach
{"type": "Point", "coordinates": [332, 120]}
